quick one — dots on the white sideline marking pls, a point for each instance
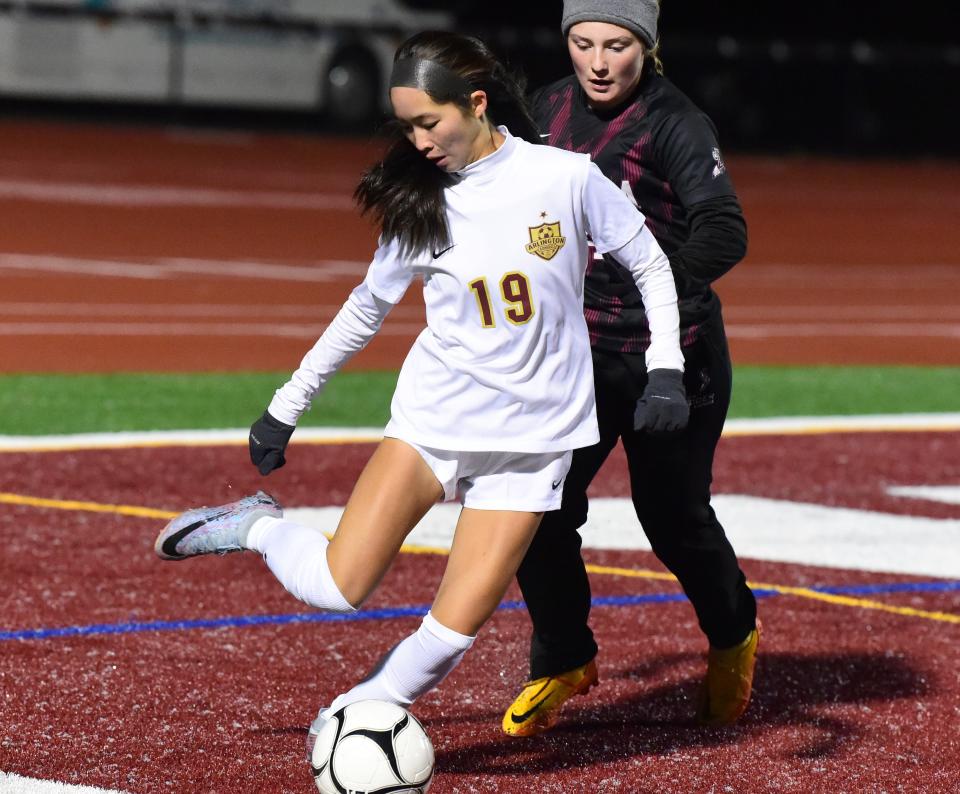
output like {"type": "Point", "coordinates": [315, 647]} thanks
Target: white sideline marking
{"type": "Point", "coordinates": [321, 312]}
{"type": "Point", "coordinates": [168, 268]}
{"type": "Point", "coordinates": [15, 784]}
{"type": "Point", "coordinates": [761, 529]}
{"type": "Point", "coordinates": [299, 331]}
{"type": "Point", "coordinates": [165, 196]}
{"type": "Point", "coordinates": [841, 330]}
{"type": "Point", "coordinates": [800, 425]}
{"type": "Point", "coordinates": [842, 275]}
{"type": "Point", "coordinates": [745, 313]}
{"type": "Point", "coordinates": [935, 493]}
{"type": "Point", "coordinates": [176, 438]}
{"type": "Point", "coordinates": [794, 425]}
{"type": "Point", "coordinates": [272, 330]}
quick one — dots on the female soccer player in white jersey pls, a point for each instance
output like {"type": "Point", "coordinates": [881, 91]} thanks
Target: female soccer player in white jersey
{"type": "Point", "coordinates": [496, 391]}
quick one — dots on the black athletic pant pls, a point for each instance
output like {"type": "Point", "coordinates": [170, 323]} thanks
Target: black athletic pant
{"type": "Point", "coordinates": [670, 478]}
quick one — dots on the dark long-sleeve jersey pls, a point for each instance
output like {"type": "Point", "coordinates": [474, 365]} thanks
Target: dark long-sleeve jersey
{"type": "Point", "coordinates": [662, 151]}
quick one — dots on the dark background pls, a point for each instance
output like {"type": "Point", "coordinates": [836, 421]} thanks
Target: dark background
{"type": "Point", "coordinates": [846, 77]}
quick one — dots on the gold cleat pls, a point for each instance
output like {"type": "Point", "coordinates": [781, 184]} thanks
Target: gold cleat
{"type": "Point", "coordinates": [537, 707]}
{"type": "Point", "coordinates": [725, 691]}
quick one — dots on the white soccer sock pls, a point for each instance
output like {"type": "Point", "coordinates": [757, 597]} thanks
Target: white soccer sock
{"type": "Point", "coordinates": [297, 556]}
{"type": "Point", "coordinates": [413, 668]}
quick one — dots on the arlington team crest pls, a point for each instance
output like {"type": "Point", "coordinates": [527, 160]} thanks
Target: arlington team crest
{"type": "Point", "coordinates": [545, 239]}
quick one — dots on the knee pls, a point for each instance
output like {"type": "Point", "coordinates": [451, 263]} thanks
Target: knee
{"type": "Point", "coordinates": [319, 586]}
{"type": "Point", "coordinates": [690, 524]}
{"type": "Point", "coordinates": [352, 594]}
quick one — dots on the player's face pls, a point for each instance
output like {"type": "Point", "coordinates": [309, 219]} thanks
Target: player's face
{"type": "Point", "coordinates": [445, 134]}
{"type": "Point", "coordinates": [607, 60]}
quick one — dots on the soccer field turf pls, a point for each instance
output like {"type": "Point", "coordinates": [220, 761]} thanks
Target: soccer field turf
{"type": "Point", "coordinates": [41, 404]}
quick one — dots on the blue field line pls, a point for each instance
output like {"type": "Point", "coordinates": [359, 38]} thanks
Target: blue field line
{"type": "Point", "coordinates": [893, 587]}
{"type": "Point", "coordinates": [391, 613]}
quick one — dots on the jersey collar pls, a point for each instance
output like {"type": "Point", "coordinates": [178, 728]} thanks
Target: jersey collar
{"type": "Point", "coordinates": [486, 168]}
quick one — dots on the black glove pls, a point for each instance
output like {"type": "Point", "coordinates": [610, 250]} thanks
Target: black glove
{"type": "Point", "coordinates": [268, 439]}
{"type": "Point", "coordinates": [663, 407]}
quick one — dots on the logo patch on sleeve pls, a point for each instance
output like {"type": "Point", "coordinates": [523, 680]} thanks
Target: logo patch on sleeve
{"type": "Point", "coordinates": [719, 168]}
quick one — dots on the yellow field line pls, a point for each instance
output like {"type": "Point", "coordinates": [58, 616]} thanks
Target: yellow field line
{"type": "Point", "coordinates": [861, 603]}
{"type": "Point", "coordinates": [801, 592]}
{"type": "Point", "coordinates": [637, 573]}
{"type": "Point", "coordinates": [606, 570]}
{"type": "Point", "coordinates": [92, 507]}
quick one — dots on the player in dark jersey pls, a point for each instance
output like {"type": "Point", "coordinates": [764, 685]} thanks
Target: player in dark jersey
{"type": "Point", "coordinates": [653, 142]}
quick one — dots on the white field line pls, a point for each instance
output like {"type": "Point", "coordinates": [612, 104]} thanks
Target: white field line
{"type": "Point", "coordinates": [946, 330]}
{"type": "Point", "coordinates": [810, 425]}
{"type": "Point", "coordinates": [845, 192]}
{"type": "Point", "coordinates": [948, 494]}
{"type": "Point", "coordinates": [904, 277]}
{"type": "Point", "coordinates": [118, 195]}
{"type": "Point", "coordinates": [758, 528]}
{"type": "Point", "coordinates": [839, 314]}
{"type": "Point", "coordinates": [318, 311]}
{"type": "Point", "coordinates": [745, 314]}
{"type": "Point", "coordinates": [175, 438]}
{"type": "Point", "coordinates": [239, 329]}
{"type": "Point", "coordinates": [15, 784]}
{"type": "Point", "coordinates": [307, 331]}
{"type": "Point", "coordinates": [773, 274]}
{"type": "Point", "coordinates": [171, 268]}
{"type": "Point", "coordinates": [800, 425]}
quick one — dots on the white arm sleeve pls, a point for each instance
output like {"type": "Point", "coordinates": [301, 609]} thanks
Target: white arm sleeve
{"type": "Point", "coordinates": [617, 228]}
{"type": "Point", "coordinates": [651, 271]}
{"type": "Point", "coordinates": [355, 325]}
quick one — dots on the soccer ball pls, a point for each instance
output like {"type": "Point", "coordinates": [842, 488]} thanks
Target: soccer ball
{"type": "Point", "coordinates": [372, 747]}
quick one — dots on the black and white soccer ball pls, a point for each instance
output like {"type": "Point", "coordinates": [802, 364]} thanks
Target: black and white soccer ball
{"type": "Point", "coordinates": [372, 747]}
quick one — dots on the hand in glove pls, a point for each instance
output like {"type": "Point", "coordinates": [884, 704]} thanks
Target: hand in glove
{"type": "Point", "coordinates": [663, 407]}
{"type": "Point", "coordinates": [268, 440]}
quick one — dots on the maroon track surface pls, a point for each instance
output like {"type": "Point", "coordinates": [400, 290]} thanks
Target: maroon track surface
{"type": "Point", "coordinates": [848, 262]}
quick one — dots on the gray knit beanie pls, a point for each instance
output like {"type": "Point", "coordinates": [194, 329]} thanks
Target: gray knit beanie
{"type": "Point", "coordinates": [637, 16]}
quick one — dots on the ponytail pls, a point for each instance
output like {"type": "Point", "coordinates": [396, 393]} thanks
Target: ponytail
{"type": "Point", "coordinates": [404, 194]}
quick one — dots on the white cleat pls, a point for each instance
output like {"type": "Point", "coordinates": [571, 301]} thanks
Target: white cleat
{"type": "Point", "coordinates": [214, 530]}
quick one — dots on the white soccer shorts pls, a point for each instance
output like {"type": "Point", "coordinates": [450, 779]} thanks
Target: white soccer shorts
{"type": "Point", "coordinates": [524, 481]}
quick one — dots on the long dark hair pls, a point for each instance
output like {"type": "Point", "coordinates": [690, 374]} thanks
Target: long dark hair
{"type": "Point", "coordinates": [404, 191]}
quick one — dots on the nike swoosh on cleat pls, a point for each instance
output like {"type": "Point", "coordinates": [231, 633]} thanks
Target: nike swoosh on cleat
{"type": "Point", "coordinates": [519, 718]}
{"type": "Point", "coordinates": [169, 546]}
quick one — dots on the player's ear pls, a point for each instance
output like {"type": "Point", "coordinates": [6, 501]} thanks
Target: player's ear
{"type": "Point", "coordinates": [478, 103]}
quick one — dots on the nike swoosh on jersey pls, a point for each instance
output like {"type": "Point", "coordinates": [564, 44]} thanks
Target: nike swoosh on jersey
{"type": "Point", "coordinates": [438, 254]}
{"type": "Point", "coordinates": [557, 483]}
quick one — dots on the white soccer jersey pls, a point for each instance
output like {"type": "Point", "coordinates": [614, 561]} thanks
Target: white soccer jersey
{"type": "Point", "coordinates": [504, 362]}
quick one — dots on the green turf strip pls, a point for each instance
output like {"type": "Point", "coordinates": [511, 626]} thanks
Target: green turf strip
{"type": "Point", "coordinates": [43, 404]}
